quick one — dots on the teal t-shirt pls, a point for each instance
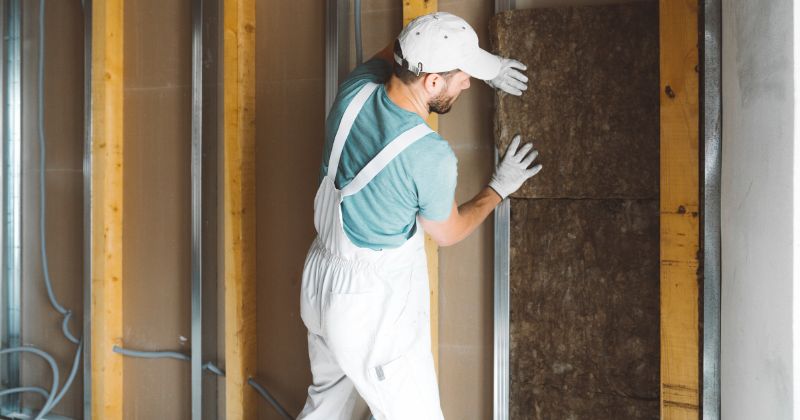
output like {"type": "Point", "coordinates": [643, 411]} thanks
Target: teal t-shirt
{"type": "Point", "coordinates": [422, 179]}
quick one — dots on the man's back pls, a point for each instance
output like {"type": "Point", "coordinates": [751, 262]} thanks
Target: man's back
{"type": "Point", "coordinates": [421, 179]}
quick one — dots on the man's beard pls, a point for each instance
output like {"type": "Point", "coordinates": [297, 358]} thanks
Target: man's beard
{"type": "Point", "coordinates": [441, 104]}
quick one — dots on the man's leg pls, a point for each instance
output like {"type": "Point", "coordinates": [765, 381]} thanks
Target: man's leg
{"type": "Point", "coordinates": [332, 395]}
{"type": "Point", "coordinates": [408, 385]}
{"type": "Point", "coordinates": [382, 343]}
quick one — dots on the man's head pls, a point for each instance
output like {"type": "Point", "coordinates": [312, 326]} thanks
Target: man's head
{"type": "Point", "coordinates": [436, 54]}
{"type": "Point", "coordinates": [441, 89]}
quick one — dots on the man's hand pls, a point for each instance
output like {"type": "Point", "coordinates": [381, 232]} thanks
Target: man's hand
{"type": "Point", "coordinates": [510, 80]}
{"type": "Point", "coordinates": [513, 170]}
{"type": "Point", "coordinates": [508, 177]}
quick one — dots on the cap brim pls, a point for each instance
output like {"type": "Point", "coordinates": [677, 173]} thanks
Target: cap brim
{"type": "Point", "coordinates": [481, 65]}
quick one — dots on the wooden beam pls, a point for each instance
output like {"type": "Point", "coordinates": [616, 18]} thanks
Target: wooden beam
{"type": "Point", "coordinates": [411, 10]}
{"type": "Point", "coordinates": [680, 198]}
{"type": "Point", "coordinates": [107, 208]}
{"type": "Point", "coordinates": [239, 207]}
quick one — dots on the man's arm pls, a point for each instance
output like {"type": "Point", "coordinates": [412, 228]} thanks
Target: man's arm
{"type": "Point", "coordinates": [513, 171]}
{"type": "Point", "coordinates": [463, 219]}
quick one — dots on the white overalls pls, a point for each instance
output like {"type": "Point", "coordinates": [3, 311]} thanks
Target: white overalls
{"type": "Point", "coordinates": [367, 311]}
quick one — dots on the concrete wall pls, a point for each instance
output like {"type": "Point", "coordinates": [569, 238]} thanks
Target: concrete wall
{"type": "Point", "coordinates": [757, 194]}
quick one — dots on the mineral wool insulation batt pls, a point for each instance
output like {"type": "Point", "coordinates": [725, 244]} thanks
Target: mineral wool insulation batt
{"type": "Point", "coordinates": [584, 241]}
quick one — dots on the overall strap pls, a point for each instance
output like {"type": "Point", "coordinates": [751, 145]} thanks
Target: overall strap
{"type": "Point", "coordinates": [400, 143]}
{"type": "Point", "coordinates": [348, 118]}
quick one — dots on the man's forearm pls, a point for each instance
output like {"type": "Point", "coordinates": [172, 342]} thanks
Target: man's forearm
{"type": "Point", "coordinates": [463, 219]}
{"type": "Point", "coordinates": [475, 211]}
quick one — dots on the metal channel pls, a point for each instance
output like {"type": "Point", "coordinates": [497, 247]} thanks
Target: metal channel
{"type": "Point", "coordinates": [12, 199]}
{"type": "Point", "coordinates": [331, 68]}
{"type": "Point", "coordinates": [502, 294]}
{"type": "Point", "coordinates": [213, 385]}
{"type": "Point", "coordinates": [87, 209]}
{"type": "Point", "coordinates": [502, 242]}
{"type": "Point", "coordinates": [197, 210]}
{"type": "Point", "coordinates": [337, 47]}
{"type": "Point", "coordinates": [503, 5]}
{"type": "Point", "coordinates": [711, 123]}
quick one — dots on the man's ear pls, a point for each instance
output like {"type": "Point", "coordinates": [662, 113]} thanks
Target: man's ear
{"type": "Point", "coordinates": [433, 83]}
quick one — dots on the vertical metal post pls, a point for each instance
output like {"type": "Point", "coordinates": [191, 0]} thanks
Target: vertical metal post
{"type": "Point", "coordinates": [213, 385]}
{"type": "Point", "coordinates": [503, 5]}
{"type": "Point", "coordinates": [337, 50]}
{"type": "Point", "coordinates": [197, 210]}
{"type": "Point", "coordinates": [87, 209]}
{"type": "Point", "coordinates": [502, 294]}
{"type": "Point", "coordinates": [502, 244]}
{"type": "Point", "coordinates": [711, 123]}
{"type": "Point", "coordinates": [331, 44]}
{"type": "Point", "coordinates": [12, 199]}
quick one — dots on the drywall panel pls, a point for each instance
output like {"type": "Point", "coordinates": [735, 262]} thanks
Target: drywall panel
{"type": "Point", "coordinates": [63, 112]}
{"type": "Point", "coordinates": [157, 205]}
{"type": "Point", "coordinates": [290, 115]}
{"type": "Point", "coordinates": [465, 270]}
{"type": "Point", "coordinates": [585, 247]}
{"type": "Point", "coordinates": [381, 21]}
{"type": "Point", "coordinates": [756, 209]}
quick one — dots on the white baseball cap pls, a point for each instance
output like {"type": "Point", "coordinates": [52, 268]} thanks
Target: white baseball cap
{"type": "Point", "coordinates": [440, 42]}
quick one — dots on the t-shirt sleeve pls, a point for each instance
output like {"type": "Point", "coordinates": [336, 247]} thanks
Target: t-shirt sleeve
{"type": "Point", "coordinates": [435, 179]}
{"type": "Point", "coordinates": [375, 70]}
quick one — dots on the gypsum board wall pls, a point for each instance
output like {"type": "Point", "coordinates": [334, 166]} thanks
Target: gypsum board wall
{"type": "Point", "coordinates": [584, 276]}
{"type": "Point", "coordinates": [157, 243]}
{"type": "Point", "coordinates": [62, 102]}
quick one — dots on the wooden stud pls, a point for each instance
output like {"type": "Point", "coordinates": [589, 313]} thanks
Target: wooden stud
{"type": "Point", "coordinates": [239, 207]}
{"type": "Point", "coordinates": [107, 208]}
{"type": "Point", "coordinates": [680, 197]}
{"type": "Point", "coordinates": [411, 10]}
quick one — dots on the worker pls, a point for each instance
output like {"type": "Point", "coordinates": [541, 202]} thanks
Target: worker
{"type": "Point", "coordinates": [386, 178]}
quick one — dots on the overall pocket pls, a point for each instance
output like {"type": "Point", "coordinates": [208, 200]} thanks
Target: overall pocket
{"type": "Point", "coordinates": [398, 386]}
{"type": "Point", "coordinates": [354, 310]}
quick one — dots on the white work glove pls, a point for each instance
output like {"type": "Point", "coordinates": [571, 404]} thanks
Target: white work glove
{"type": "Point", "coordinates": [510, 80]}
{"type": "Point", "coordinates": [513, 170]}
